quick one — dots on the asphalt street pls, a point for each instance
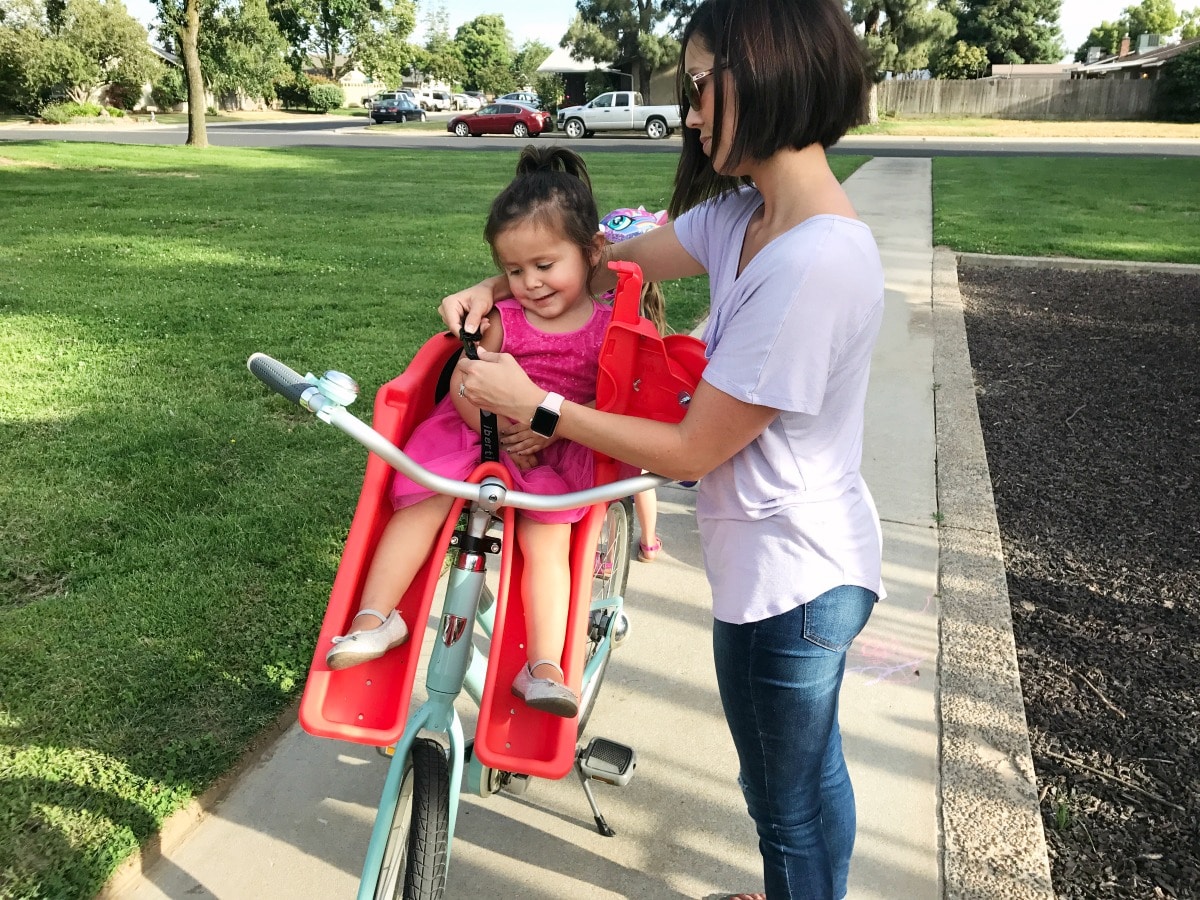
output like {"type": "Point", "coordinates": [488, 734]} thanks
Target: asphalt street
{"type": "Point", "coordinates": [340, 131]}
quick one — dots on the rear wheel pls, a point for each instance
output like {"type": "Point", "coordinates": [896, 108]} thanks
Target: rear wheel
{"type": "Point", "coordinates": [414, 860]}
{"type": "Point", "coordinates": [656, 129]}
{"type": "Point", "coordinates": [609, 579]}
{"type": "Point", "coordinates": [521, 130]}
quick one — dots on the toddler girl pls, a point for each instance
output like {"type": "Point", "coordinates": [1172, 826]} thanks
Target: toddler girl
{"type": "Point", "coordinates": [543, 231]}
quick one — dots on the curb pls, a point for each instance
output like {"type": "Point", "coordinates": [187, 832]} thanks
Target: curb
{"type": "Point", "coordinates": [178, 826]}
{"type": "Point", "coordinates": [1071, 264]}
{"type": "Point", "coordinates": [993, 844]}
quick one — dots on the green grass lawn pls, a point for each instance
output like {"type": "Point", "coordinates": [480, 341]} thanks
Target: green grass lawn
{"type": "Point", "coordinates": [169, 529]}
{"type": "Point", "coordinates": [1097, 208]}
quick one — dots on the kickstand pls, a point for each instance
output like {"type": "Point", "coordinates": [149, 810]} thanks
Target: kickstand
{"type": "Point", "coordinates": [601, 825]}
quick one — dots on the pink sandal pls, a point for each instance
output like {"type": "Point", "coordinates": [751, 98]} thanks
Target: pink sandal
{"type": "Point", "coordinates": [649, 554]}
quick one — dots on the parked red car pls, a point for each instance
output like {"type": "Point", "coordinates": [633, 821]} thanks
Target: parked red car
{"type": "Point", "coordinates": [502, 118]}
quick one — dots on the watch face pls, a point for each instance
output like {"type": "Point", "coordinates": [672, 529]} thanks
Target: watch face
{"type": "Point", "coordinates": [544, 422]}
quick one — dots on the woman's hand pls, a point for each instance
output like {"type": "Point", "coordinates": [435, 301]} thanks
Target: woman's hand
{"type": "Point", "coordinates": [497, 383]}
{"type": "Point", "coordinates": [469, 307]}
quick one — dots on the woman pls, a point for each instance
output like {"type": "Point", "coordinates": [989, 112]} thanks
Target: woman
{"type": "Point", "coordinates": [789, 531]}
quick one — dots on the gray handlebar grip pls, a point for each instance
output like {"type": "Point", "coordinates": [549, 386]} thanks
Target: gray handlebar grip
{"type": "Point", "coordinates": [277, 376]}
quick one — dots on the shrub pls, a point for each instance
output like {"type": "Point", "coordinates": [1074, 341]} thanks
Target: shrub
{"type": "Point", "coordinates": [324, 97]}
{"type": "Point", "coordinates": [1178, 95]}
{"type": "Point", "coordinates": [115, 112]}
{"type": "Point", "coordinates": [56, 113]}
{"type": "Point", "coordinates": [292, 91]}
{"type": "Point", "coordinates": [169, 90]}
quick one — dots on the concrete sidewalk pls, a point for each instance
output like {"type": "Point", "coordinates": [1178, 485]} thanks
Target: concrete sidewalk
{"type": "Point", "coordinates": [296, 823]}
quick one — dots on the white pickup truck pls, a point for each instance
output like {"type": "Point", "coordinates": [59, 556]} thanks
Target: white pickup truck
{"type": "Point", "coordinates": [618, 111]}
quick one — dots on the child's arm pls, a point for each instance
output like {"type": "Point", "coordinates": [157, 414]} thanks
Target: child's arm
{"type": "Point", "coordinates": [518, 437]}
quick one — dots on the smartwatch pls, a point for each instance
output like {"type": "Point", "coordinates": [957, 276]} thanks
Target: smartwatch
{"type": "Point", "coordinates": [545, 419]}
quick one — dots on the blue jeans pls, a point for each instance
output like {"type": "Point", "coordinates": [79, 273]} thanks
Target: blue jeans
{"type": "Point", "coordinates": [779, 681]}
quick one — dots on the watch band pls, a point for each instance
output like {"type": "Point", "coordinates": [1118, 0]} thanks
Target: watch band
{"type": "Point", "coordinates": [553, 403]}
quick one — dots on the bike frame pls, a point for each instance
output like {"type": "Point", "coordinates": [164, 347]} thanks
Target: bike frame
{"type": "Point", "coordinates": [455, 663]}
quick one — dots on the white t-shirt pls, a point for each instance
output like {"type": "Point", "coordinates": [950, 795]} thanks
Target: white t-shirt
{"type": "Point", "coordinates": [789, 517]}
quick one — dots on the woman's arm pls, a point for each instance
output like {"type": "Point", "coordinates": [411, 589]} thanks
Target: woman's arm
{"type": "Point", "coordinates": [658, 253]}
{"type": "Point", "coordinates": [715, 427]}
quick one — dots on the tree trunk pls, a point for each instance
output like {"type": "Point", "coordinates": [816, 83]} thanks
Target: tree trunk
{"type": "Point", "coordinates": [190, 38]}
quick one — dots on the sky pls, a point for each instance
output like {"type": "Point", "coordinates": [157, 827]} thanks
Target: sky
{"type": "Point", "coordinates": [547, 20]}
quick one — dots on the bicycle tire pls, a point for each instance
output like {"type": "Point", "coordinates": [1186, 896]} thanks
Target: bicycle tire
{"type": "Point", "coordinates": [614, 550]}
{"type": "Point", "coordinates": [414, 860]}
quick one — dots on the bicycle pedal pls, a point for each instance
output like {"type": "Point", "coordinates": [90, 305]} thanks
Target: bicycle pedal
{"type": "Point", "coordinates": [607, 761]}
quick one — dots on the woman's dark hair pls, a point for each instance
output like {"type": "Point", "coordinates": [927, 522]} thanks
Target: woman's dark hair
{"type": "Point", "coordinates": [551, 188]}
{"type": "Point", "coordinates": [799, 77]}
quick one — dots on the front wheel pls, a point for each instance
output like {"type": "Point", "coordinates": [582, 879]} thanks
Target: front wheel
{"type": "Point", "coordinates": [462, 130]}
{"type": "Point", "coordinates": [609, 580]}
{"type": "Point", "coordinates": [574, 128]}
{"type": "Point", "coordinates": [521, 130]}
{"type": "Point", "coordinates": [414, 860]}
{"type": "Point", "coordinates": [656, 129]}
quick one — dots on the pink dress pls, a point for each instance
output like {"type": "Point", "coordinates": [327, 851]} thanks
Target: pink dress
{"type": "Point", "coordinates": [564, 363]}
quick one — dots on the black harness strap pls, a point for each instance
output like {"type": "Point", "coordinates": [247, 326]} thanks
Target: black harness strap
{"type": "Point", "coordinates": [488, 432]}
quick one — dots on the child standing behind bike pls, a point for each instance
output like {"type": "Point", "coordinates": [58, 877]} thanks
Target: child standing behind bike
{"type": "Point", "coordinates": [543, 231]}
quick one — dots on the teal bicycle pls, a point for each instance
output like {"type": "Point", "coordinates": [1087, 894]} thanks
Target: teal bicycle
{"type": "Point", "coordinates": [431, 757]}
{"type": "Point", "coordinates": [640, 374]}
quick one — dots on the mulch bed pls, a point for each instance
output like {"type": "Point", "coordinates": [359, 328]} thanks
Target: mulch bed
{"type": "Point", "coordinates": [1089, 396]}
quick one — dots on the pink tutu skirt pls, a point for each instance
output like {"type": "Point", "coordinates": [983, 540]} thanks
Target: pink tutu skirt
{"type": "Point", "coordinates": [446, 445]}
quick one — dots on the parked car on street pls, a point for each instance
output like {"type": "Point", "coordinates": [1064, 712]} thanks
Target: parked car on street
{"type": "Point", "coordinates": [524, 97]}
{"type": "Point", "coordinates": [435, 100]}
{"type": "Point", "coordinates": [619, 111]}
{"type": "Point", "coordinates": [466, 101]}
{"type": "Point", "coordinates": [396, 110]}
{"type": "Point", "coordinates": [386, 95]}
{"type": "Point", "coordinates": [502, 118]}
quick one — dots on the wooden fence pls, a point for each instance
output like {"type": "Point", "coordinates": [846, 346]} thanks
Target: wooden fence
{"type": "Point", "coordinates": [1019, 98]}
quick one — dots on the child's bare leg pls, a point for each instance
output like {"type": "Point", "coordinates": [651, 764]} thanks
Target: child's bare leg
{"type": "Point", "coordinates": [645, 505]}
{"type": "Point", "coordinates": [546, 586]}
{"type": "Point", "coordinates": [403, 547]}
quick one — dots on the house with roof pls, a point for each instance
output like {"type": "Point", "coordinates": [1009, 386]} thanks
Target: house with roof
{"type": "Point", "coordinates": [1145, 63]}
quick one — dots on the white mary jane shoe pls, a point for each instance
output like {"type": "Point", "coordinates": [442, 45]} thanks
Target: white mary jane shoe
{"type": "Point", "coordinates": [544, 694]}
{"type": "Point", "coordinates": [364, 646]}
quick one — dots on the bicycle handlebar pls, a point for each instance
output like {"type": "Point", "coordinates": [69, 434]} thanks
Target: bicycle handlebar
{"type": "Point", "coordinates": [491, 493]}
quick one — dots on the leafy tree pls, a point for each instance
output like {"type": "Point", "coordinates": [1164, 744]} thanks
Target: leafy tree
{"type": "Point", "coordinates": [1150, 17]}
{"type": "Point", "coordinates": [1178, 96]}
{"type": "Point", "coordinates": [444, 59]}
{"type": "Point", "coordinates": [900, 35]}
{"type": "Point", "coordinates": [182, 28]}
{"type": "Point", "coordinates": [1189, 24]}
{"type": "Point", "coordinates": [960, 61]}
{"type": "Point", "coordinates": [243, 53]}
{"type": "Point", "coordinates": [550, 90]}
{"type": "Point", "coordinates": [383, 50]}
{"type": "Point", "coordinates": [1012, 31]}
{"type": "Point", "coordinates": [487, 54]}
{"type": "Point", "coordinates": [1106, 36]}
{"type": "Point", "coordinates": [334, 33]}
{"type": "Point", "coordinates": [622, 32]}
{"type": "Point", "coordinates": [526, 61]}
{"type": "Point", "coordinates": [89, 47]}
